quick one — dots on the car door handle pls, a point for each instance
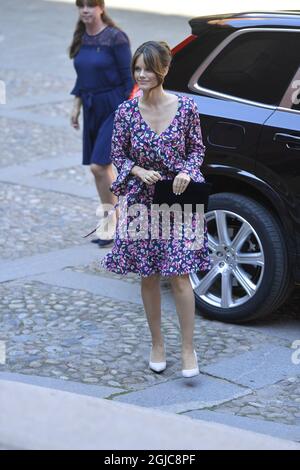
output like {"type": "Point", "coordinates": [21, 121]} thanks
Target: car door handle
{"type": "Point", "coordinates": [291, 141]}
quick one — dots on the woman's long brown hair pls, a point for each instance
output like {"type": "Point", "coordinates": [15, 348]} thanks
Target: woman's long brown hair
{"type": "Point", "coordinates": [80, 27]}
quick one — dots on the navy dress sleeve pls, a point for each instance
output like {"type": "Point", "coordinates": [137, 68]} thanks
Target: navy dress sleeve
{"type": "Point", "coordinates": [76, 89]}
{"type": "Point", "coordinates": [122, 54]}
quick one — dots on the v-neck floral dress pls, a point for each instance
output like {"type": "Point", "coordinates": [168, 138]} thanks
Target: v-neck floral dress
{"type": "Point", "coordinates": [179, 148]}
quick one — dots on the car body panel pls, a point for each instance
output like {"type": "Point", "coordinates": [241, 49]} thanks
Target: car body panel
{"type": "Point", "coordinates": [247, 144]}
{"type": "Point", "coordinates": [237, 21]}
{"type": "Point", "coordinates": [278, 162]}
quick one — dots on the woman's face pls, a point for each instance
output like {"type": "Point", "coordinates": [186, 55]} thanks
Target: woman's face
{"type": "Point", "coordinates": [89, 14]}
{"type": "Point", "coordinates": [145, 78]}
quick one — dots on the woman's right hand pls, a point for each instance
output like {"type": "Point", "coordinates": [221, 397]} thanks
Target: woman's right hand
{"type": "Point", "coordinates": [148, 176]}
{"type": "Point", "coordinates": [75, 118]}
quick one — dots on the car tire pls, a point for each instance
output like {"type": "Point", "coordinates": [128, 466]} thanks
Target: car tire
{"type": "Point", "coordinates": [270, 277]}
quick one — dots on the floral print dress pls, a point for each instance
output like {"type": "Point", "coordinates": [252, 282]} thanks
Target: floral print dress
{"type": "Point", "coordinates": [179, 148]}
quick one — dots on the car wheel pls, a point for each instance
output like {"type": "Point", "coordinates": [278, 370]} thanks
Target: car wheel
{"type": "Point", "coordinates": [249, 277]}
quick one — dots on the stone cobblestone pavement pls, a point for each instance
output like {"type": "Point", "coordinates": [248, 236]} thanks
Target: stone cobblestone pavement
{"type": "Point", "coordinates": [41, 221]}
{"type": "Point", "coordinates": [64, 318]}
{"type": "Point", "coordinates": [279, 402]}
{"type": "Point", "coordinates": [74, 335]}
{"type": "Point", "coordinates": [22, 141]}
{"type": "Point", "coordinates": [79, 174]}
{"type": "Point", "coordinates": [95, 269]}
{"type": "Point", "coordinates": [33, 83]}
{"type": "Point", "coordinates": [59, 109]}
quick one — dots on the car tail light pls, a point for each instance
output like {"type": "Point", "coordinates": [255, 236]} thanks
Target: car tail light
{"type": "Point", "coordinates": [134, 92]}
{"type": "Point", "coordinates": [184, 43]}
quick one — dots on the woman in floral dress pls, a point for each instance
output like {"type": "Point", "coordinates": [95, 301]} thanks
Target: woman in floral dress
{"type": "Point", "coordinates": [157, 136]}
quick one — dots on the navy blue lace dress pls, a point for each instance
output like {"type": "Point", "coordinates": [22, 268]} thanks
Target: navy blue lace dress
{"type": "Point", "coordinates": [103, 82]}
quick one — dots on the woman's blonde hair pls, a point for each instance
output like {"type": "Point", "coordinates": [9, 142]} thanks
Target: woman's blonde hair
{"type": "Point", "coordinates": [80, 27]}
{"type": "Point", "coordinates": [157, 57]}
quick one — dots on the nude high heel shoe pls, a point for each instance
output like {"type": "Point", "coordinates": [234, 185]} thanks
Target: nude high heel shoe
{"type": "Point", "coordinates": [187, 373]}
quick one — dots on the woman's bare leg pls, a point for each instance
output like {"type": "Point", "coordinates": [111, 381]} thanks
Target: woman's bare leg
{"type": "Point", "coordinates": [104, 177]}
{"type": "Point", "coordinates": [185, 306]}
{"type": "Point", "coordinates": [150, 289]}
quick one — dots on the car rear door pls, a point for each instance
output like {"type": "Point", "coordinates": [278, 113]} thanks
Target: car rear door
{"type": "Point", "coordinates": [278, 158]}
{"type": "Point", "coordinates": [234, 91]}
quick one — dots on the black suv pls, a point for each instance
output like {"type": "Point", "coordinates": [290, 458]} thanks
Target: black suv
{"type": "Point", "coordinates": [243, 71]}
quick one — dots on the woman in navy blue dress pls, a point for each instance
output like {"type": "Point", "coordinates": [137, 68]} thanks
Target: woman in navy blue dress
{"type": "Point", "coordinates": [102, 58]}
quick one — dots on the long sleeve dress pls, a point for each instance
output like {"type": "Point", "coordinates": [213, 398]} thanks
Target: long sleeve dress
{"type": "Point", "coordinates": [103, 82]}
{"type": "Point", "coordinates": [179, 148]}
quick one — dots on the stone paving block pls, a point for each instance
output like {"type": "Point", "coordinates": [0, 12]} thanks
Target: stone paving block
{"type": "Point", "coordinates": [64, 385]}
{"type": "Point", "coordinates": [46, 262]}
{"type": "Point", "coordinates": [28, 84]}
{"type": "Point", "coordinates": [78, 175]}
{"type": "Point", "coordinates": [68, 188]}
{"type": "Point", "coordinates": [38, 418]}
{"type": "Point", "coordinates": [60, 180]}
{"type": "Point", "coordinates": [33, 168]}
{"type": "Point", "coordinates": [185, 394]}
{"type": "Point", "coordinates": [35, 100]}
{"type": "Point", "coordinates": [108, 287]}
{"type": "Point", "coordinates": [31, 117]}
{"type": "Point", "coordinates": [285, 328]}
{"type": "Point", "coordinates": [270, 428]}
{"type": "Point", "coordinates": [255, 369]}
{"type": "Point", "coordinates": [58, 109]}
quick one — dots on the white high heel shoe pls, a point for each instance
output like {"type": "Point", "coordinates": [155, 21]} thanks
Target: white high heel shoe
{"type": "Point", "coordinates": [157, 366]}
{"type": "Point", "coordinates": [191, 372]}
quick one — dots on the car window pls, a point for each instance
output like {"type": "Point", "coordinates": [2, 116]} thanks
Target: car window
{"type": "Point", "coordinates": [256, 66]}
{"type": "Point", "coordinates": [296, 94]}
{"type": "Point", "coordinates": [291, 98]}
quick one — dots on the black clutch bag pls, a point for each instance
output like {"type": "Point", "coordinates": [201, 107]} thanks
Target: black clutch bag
{"type": "Point", "coordinates": [195, 193]}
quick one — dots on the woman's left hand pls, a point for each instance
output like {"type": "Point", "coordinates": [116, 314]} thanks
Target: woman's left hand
{"type": "Point", "coordinates": [180, 183]}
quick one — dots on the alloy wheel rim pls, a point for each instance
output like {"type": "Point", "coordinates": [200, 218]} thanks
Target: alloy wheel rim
{"type": "Point", "coordinates": [238, 261]}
